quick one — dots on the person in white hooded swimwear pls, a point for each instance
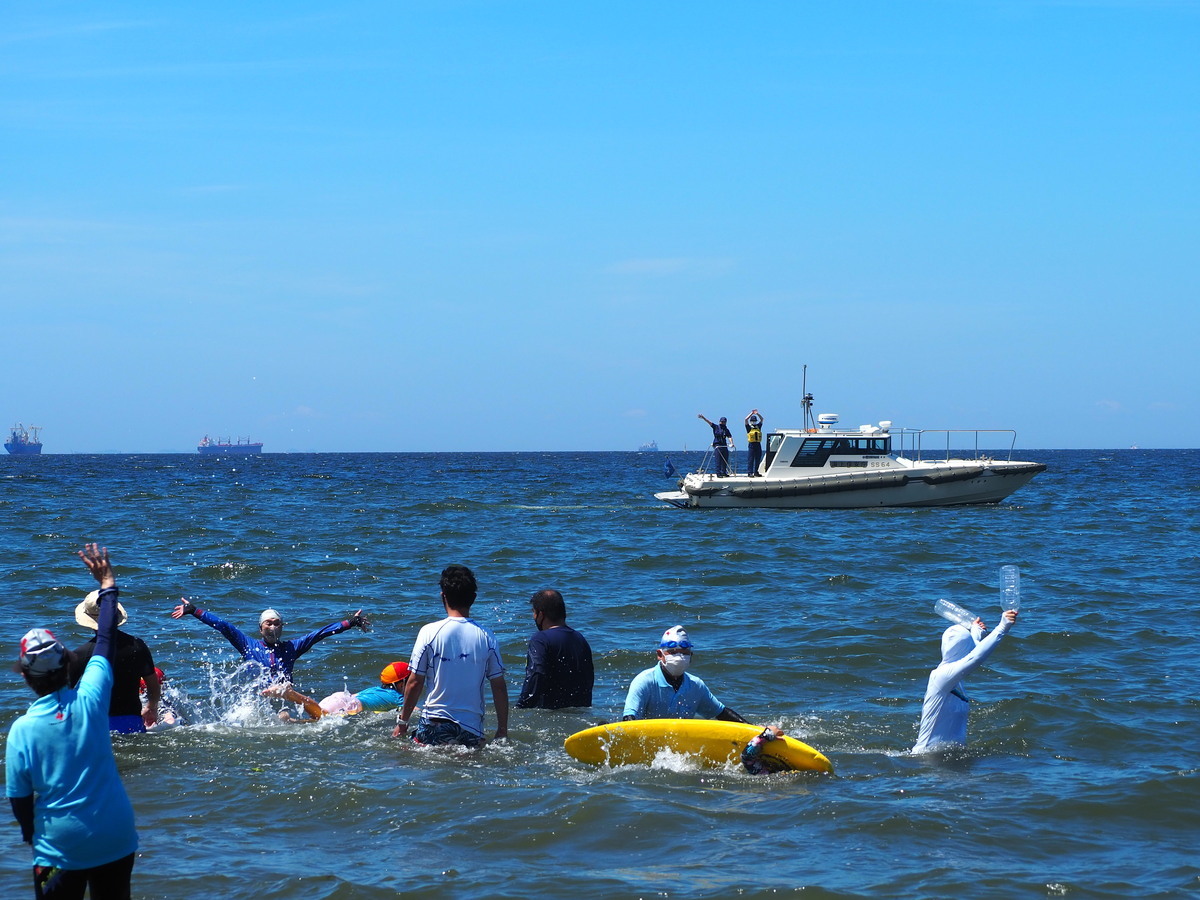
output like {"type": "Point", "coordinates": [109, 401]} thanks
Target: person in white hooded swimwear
{"type": "Point", "coordinates": [944, 715]}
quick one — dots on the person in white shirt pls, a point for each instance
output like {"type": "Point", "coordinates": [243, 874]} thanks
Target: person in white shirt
{"type": "Point", "coordinates": [454, 657]}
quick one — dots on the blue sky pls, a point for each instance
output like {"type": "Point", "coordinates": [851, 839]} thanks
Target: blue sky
{"type": "Point", "coordinates": [397, 226]}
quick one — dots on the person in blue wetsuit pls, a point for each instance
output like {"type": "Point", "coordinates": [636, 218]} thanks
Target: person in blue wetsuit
{"type": "Point", "coordinates": [667, 691]}
{"type": "Point", "coordinates": [60, 774]}
{"type": "Point", "coordinates": [275, 656]}
{"type": "Point", "coordinates": [558, 665]}
{"type": "Point", "coordinates": [387, 695]}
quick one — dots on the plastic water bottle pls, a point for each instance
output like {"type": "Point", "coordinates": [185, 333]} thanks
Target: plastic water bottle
{"type": "Point", "coordinates": [954, 613]}
{"type": "Point", "coordinates": [1010, 587]}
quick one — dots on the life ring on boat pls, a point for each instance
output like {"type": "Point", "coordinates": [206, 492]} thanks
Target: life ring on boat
{"type": "Point", "coordinates": [812, 431]}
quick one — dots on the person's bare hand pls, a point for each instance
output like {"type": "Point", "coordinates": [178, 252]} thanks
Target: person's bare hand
{"type": "Point", "coordinates": [95, 558]}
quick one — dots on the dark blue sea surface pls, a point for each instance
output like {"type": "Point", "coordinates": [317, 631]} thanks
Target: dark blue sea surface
{"type": "Point", "coordinates": [1080, 779]}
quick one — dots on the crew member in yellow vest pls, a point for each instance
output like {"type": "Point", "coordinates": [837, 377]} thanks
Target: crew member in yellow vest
{"type": "Point", "coordinates": [754, 424]}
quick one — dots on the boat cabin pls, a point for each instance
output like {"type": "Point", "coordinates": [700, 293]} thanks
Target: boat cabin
{"type": "Point", "coordinates": [814, 447]}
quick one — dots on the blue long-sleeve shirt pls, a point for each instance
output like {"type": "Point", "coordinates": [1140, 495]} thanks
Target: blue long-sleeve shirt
{"type": "Point", "coordinates": [279, 658]}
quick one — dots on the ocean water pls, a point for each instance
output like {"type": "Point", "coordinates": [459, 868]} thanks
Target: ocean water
{"type": "Point", "coordinates": [1080, 779]}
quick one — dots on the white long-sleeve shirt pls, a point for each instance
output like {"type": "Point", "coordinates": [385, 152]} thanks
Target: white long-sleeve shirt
{"type": "Point", "coordinates": [944, 714]}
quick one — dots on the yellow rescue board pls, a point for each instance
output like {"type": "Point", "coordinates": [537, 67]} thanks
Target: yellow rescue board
{"type": "Point", "coordinates": [717, 743]}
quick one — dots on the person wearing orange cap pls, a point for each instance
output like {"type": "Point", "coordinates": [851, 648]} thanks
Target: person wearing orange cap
{"type": "Point", "coordinates": [388, 695]}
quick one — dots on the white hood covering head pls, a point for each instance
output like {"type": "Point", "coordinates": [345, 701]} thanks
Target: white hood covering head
{"type": "Point", "coordinates": [957, 642]}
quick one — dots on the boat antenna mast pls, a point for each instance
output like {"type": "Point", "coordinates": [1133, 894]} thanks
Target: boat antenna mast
{"type": "Point", "coordinates": [807, 401]}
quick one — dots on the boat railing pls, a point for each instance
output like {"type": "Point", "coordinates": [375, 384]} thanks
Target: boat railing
{"type": "Point", "coordinates": [709, 463]}
{"type": "Point", "coordinates": [954, 443]}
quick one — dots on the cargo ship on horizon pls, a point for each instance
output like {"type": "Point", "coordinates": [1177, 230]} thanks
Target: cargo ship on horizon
{"type": "Point", "coordinates": [226, 447]}
{"type": "Point", "coordinates": [21, 442]}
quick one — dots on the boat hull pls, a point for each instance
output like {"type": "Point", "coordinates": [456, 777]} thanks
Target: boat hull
{"type": "Point", "coordinates": [230, 449]}
{"type": "Point", "coordinates": [946, 484]}
{"type": "Point", "coordinates": [24, 449]}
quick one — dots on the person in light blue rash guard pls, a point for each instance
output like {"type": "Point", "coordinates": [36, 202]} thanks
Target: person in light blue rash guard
{"type": "Point", "coordinates": [385, 696]}
{"type": "Point", "coordinates": [275, 656]}
{"type": "Point", "coordinates": [944, 713]}
{"type": "Point", "coordinates": [667, 691]}
{"type": "Point", "coordinates": [60, 774]}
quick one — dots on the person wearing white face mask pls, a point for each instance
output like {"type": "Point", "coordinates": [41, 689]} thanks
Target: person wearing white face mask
{"type": "Point", "coordinates": [667, 691]}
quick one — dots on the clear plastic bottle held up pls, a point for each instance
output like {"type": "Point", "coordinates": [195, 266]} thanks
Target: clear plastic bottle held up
{"type": "Point", "coordinates": [1010, 587]}
{"type": "Point", "coordinates": [954, 613]}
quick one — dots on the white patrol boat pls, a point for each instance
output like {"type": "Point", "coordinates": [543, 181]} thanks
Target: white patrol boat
{"type": "Point", "coordinates": [822, 466]}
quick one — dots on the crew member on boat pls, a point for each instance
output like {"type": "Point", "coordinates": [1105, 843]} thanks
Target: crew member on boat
{"type": "Point", "coordinates": [722, 443]}
{"type": "Point", "coordinates": [754, 425]}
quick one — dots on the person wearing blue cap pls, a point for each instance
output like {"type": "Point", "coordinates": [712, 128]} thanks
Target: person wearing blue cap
{"type": "Point", "coordinates": [60, 774]}
{"type": "Point", "coordinates": [668, 691]}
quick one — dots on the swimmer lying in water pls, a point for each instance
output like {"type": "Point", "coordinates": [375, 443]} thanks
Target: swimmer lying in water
{"type": "Point", "coordinates": [753, 760]}
{"type": "Point", "coordinates": [387, 696]}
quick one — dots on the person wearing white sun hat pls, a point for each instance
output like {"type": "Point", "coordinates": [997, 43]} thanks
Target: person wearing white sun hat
{"type": "Point", "coordinates": [133, 664]}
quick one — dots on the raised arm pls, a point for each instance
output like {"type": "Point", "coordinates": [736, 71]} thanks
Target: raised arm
{"type": "Point", "coordinates": [956, 671]}
{"type": "Point", "coordinates": [96, 559]}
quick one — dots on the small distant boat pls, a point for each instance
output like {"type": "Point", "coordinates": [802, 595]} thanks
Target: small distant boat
{"type": "Point", "coordinates": [651, 447]}
{"type": "Point", "coordinates": [24, 441]}
{"type": "Point", "coordinates": [226, 447]}
{"type": "Point", "coordinates": [823, 466]}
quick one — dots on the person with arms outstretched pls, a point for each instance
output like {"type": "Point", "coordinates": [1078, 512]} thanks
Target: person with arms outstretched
{"type": "Point", "coordinates": [274, 656]}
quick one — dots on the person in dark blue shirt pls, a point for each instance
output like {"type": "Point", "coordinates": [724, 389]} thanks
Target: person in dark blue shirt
{"type": "Point", "coordinates": [558, 668]}
{"type": "Point", "coordinates": [275, 656]}
{"type": "Point", "coordinates": [722, 443]}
